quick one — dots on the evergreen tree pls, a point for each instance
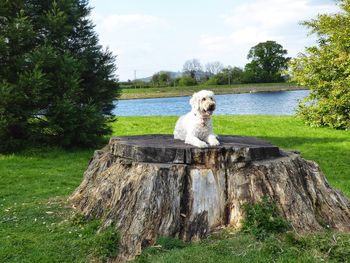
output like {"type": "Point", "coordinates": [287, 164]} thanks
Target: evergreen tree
{"type": "Point", "coordinates": [57, 84]}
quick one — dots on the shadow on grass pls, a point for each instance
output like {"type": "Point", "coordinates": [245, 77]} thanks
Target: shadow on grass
{"type": "Point", "coordinates": [298, 141]}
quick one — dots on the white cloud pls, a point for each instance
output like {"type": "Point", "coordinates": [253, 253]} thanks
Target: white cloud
{"type": "Point", "coordinates": [213, 43]}
{"type": "Point", "coordinates": [272, 14]}
{"type": "Point", "coordinates": [248, 34]}
{"type": "Point", "coordinates": [251, 22]}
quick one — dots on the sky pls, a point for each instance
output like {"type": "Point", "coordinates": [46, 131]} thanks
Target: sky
{"type": "Point", "coordinates": [148, 36]}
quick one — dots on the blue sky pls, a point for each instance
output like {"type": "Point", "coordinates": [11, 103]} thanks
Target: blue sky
{"type": "Point", "coordinates": [153, 35]}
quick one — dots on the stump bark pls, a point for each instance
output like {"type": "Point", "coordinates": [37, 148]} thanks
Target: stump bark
{"type": "Point", "coordinates": [152, 185]}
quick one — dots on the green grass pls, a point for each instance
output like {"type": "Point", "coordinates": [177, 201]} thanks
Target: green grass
{"type": "Point", "coordinates": [35, 223]}
{"type": "Point", "coordinates": [35, 218]}
{"type": "Point", "coordinates": [231, 247]}
{"type": "Point", "coordinates": [157, 92]}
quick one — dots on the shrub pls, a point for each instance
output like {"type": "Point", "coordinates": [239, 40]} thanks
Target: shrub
{"type": "Point", "coordinates": [325, 69]}
{"type": "Point", "coordinates": [187, 81]}
{"type": "Point", "coordinates": [262, 219]}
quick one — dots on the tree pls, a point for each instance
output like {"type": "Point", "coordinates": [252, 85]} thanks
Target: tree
{"type": "Point", "coordinates": [227, 76]}
{"type": "Point", "coordinates": [213, 68]}
{"type": "Point", "coordinates": [161, 78]}
{"type": "Point", "coordinates": [164, 78]}
{"type": "Point", "coordinates": [187, 81]}
{"type": "Point", "coordinates": [155, 79]}
{"type": "Point", "coordinates": [57, 84]}
{"type": "Point", "coordinates": [325, 69]}
{"type": "Point", "coordinates": [234, 75]}
{"type": "Point", "coordinates": [267, 62]}
{"type": "Point", "coordinates": [193, 68]}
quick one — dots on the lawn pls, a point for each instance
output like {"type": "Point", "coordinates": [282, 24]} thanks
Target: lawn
{"type": "Point", "coordinates": [37, 223]}
{"type": "Point", "coordinates": [159, 92]}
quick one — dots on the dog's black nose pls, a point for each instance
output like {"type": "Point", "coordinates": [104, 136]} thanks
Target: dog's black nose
{"type": "Point", "coordinates": [211, 107]}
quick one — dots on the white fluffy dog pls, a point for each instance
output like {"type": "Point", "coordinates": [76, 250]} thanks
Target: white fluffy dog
{"type": "Point", "coordinates": [196, 127]}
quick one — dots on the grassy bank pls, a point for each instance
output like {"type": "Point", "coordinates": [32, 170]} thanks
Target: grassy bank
{"type": "Point", "coordinates": [140, 93]}
{"type": "Point", "coordinates": [36, 223]}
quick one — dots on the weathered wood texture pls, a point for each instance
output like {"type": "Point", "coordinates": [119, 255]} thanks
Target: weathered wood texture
{"type": "Point", "coordinates": [151, 186]}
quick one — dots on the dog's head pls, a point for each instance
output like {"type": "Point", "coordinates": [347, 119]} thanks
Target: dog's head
{"type": "Point", "coordinates": [203, 102]}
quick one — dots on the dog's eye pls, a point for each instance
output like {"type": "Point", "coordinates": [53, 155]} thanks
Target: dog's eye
{"type": "Point", "coordinates": [204, 99]}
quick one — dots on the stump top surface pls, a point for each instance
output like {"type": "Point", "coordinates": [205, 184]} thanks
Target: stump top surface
{"type": "Point", "coordinates": [168, 141]}
{"type": "Point", "coordinates": [165, 149]}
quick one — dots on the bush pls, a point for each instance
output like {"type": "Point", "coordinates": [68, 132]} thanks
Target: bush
{"type": "Point", "coordinates": [262, 219]}
{"type": "Point", "coordinates": [325, 70]}
{"type": "Point", "coordinates": [187, 81]}
{"type": "Point", "coordinates": [105, 244]}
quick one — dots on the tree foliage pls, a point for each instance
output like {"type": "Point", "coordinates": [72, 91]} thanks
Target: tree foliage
{"type": "Point", "coordinates": [187, 81]}
{"type": "Point", "coordinates": [57, 84]}
{"type": "Point", "coordinates": [213, 68]}
{"type": "Point", "coordinates": [262, 219]}
{"type": "Point", "coordinates": [267, 62]}
{"type": "Point", "coordinates": [227, 76]}
{"type": "Point", "coordinates": [325, 69]}
{"type": "Point", "coordinates": [161, 78]}
{"type": "Point", "coordinates": [193, 68]}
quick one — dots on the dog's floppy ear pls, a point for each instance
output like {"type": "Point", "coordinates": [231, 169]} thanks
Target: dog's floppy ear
{"type": "Point", "coordinates": [194, 101]}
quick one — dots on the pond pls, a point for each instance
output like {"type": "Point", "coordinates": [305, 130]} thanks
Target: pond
{"type": "Point", "coordinates": [262, 103]}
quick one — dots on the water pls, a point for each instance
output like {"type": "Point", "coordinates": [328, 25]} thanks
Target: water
{"type": "Point", "coordinates": [267, 103]}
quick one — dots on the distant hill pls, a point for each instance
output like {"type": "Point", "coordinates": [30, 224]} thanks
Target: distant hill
{"type": "Point", "coordinates": [173, 75]}
{"type": "Point", "coordinates": [146, 79]}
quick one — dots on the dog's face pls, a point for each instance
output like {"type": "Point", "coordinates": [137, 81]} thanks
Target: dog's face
{"type": "Point", "coordinates": [203, 102]}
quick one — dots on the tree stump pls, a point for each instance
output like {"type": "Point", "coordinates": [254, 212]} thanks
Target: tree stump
{"type": "Point", "coordinates": [152, 185]}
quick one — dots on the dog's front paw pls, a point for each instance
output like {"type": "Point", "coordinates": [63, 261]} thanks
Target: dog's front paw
{"type": "Point", "coordinates": [213, 141]}
{"type": "Point", "coordinates": [201, 144]}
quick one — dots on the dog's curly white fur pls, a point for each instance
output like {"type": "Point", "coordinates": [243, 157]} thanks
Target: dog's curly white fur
{"type": "Point", "coordinates": [196, 127]}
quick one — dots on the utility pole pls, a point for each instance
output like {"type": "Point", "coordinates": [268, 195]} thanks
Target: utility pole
{"type": "Point", "coordinates": [135, 78]}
